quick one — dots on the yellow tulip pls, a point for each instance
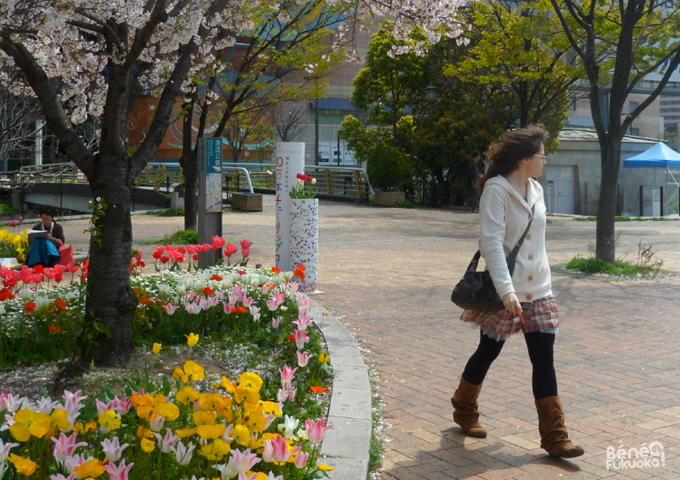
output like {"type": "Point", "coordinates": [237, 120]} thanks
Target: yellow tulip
{"type": "Point", "coordinates": [192, 339]}
{"type": "Point", "coordinates": [157, 347]}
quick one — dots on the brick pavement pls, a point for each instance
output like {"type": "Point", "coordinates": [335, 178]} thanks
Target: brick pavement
{"type": "Point", "coordinates": [387, 273]}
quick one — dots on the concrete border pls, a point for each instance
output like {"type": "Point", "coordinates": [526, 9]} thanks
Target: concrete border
{"type": "Point", "coordinates": [346, 446]}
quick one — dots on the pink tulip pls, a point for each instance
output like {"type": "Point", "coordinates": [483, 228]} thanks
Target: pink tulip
{"type": "Point", "coordinates": [122, 405]}
{"type": "Point", "coordinates": [241, 462]}
{"type": "Point", "coordinates": [245, 248]}
{"type": "Point", "coordinates": [255, 312]}
{"type": "Point", "coordinates": [316, 431]}
{"type": "Point", "coordinates": [160, 249]}
{"type": "Point", "coordinates": [113, 449]}
{"type": "Point", "coordinates": [102, 407]}
{"type": "Point", "coordinates": [282, 395]}
{"type": "Point", "coordinates": [167, 442]}
{"type": "Point", "coordinates": [301, 338]}
{"type": "Point", "coordinates": [183, 454]}
{"type": "Point", "coordinates": [291, 394]}
{"type": "Point", "coordinates": [303, 358]}
{"type": "Point", "coordinates": [303, 321]}
{"type": "Point", "coordinates": [287, 375]}
{"type": "Point", "coordinates": [169, 308]}
{"type": "Point", "coordinates": [120, 472]}
{"type": "Point", "coordinates": [65, 446]}
{"type": "Point", "coordinates": [206, 247]}
{"type": "Point", "coordinates": [59, 476]}
{"type": "Point", "coordinates": [4, 450]}
{"type": "Point", "coordinates": [276, 321]}
{"type": "Point", "coordinates": [301, 459]}
{"type": "Point", "coordinates": [276, 450]}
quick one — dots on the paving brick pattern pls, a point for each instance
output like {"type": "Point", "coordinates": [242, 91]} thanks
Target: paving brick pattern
{"type": "Point", "coordinates": [387, 274]}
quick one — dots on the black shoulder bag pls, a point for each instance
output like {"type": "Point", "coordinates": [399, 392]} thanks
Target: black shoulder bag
{"type": "Point", "coordinates": [476, 291]}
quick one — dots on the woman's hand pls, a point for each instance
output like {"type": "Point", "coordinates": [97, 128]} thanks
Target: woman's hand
{"type": "Point", "coordinates": [512, 304]}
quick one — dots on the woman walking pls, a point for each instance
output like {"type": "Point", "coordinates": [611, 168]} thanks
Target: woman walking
{"type": "Point", "coordinates": [509, 197]}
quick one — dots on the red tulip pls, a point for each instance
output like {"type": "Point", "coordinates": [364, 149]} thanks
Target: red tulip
{"type": "Point", "coordinates": [245, 247]}
{"type": "Point", "coordinates": [230, 250]}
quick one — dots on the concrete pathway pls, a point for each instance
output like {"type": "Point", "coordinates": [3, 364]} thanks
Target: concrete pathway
{"type": "Point", "coordinates": [387, 274]}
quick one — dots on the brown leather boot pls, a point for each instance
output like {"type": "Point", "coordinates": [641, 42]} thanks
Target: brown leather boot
{"type": "Point", "coordinates": [465, 412]}
{"type": "Point", "coordinates": [554, 437]}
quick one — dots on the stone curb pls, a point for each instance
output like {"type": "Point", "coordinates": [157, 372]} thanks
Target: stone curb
{"type": "Point", "coordinates": [345, 446]}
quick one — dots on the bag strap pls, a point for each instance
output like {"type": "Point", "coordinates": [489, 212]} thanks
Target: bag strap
{"type": "Point", "coordinates": [510, 259]}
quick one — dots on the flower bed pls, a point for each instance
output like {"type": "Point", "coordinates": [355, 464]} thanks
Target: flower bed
{"type": "Point", "coordinates": [196, 424]}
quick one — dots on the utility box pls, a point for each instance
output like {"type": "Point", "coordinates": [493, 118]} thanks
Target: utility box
{"type": "Point", "coordinates": [246, 202]}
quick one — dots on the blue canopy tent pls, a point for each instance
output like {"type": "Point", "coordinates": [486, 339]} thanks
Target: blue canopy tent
{"type": "Point", "coordinates": [659, 155]}
{"type": "Point", "coordinates": [661, 200]}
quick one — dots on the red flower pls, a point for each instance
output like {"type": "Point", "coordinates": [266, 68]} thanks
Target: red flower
{"type": "Point", "coordinates": [276, 270]}
{"type": "Point", "coordinates": [245, 247]}
{"type": "Point", "coordinates": [195, 257]}
{"type": "Point", "coordinates": [208, 291]}
{"type": "Point", "coordinates": [291, 338]}
{"type": "Point", "coordinates": [58, 277]}
{"type": "Point", "coordinates": [73, 268]}
{"type": "Point", "coordinates": [241, 272]}
{"type": "Point", "coordinates": [141, 264]}
{"type": "Point", "coordinates": [164, 259]}
{"type": "Point", "coordinates": [317, 389]}
{"type": "Point", "coordinates": [216, 277]}
{"type": "Point", "coordinates": [156, 255]}
{"type": "Point", "coordinates": [6, 294]}
{"type": "Point", "coordinates": [29, 307]}
{"type": "Point", "coordinates": [38, 269]}
{"type": "Point", "coordinates": [60, 304]}
{"type": "Point", "coordinates": [54, 329]}
{"type": "Point", "coordinates": [230, 250]}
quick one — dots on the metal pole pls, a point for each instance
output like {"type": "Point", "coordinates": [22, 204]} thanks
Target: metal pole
{"type": "Point", "coordinates": [586, 209]}
{"type": "Point", "coordinates": [661, 199]}
{"type": "Point", "coordinates": [641, 212]}
{"type": "Point", "coordinates": [316, 131]}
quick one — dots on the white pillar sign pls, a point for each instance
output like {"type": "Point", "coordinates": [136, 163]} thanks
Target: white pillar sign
{"type": "Point", "coordinates": [290, 160]}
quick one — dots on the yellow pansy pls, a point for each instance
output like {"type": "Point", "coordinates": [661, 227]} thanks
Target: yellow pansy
{"type": "Point", "coordinates": [251, 380]}
{"type": "Point", "coordinates": [59, 419]}
{"type": "Point", "coordinates": [187, 395]}
{"type": "Point", "coordinates": [157, 347]}
{"type": "Point", "coordinates": [210, 402]}
{"type": "Point", "coordinates": [323, 467]}
{"type": "Point", "coordinates": [91, 468]}
{"type": "Point", "coordinates": [242, 435]}
{"type": "Point", "coordinates": [323, 357]}
{"type": "Point", "coordinates": [193, 370]}
{"type": "Point", "coordinates": [211, 432]}
{"type": "Point", "coordinates": [148, 445]}
{"type": "Point", "coordinates": [109, 419]}
{"type": "Point", "coordinates": [271, 407]}
{"type": "Point", "coordinates": [202, 417]}
{"type": "Point", "coordinates": [256, 421]}
{"type": "Point", "coordinates": [24, 466]}
{"type": "Point", "coordinates": [144, 432]}
{"type": "Point", "coordinates": [192, 339]}
{"type": "Point", "coordinates": [27, 423]}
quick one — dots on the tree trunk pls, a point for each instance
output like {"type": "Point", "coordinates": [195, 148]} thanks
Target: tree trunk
{"type": "Point", "coordinates": [190, 168]}
{"type": "Point", "coordinates": [110, 299]}
{"type": "Point", "coordinates": [606, 210]}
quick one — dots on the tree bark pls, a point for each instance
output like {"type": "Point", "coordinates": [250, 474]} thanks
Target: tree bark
{"type": "Point", "coordinates": [110, 299]}
{"type": "Point", "coordinates": [189, 164]}
{"type": "Point", "coordinates": [606, 210]}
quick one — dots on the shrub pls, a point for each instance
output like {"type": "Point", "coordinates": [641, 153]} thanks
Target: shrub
{"type": "Point", "coordinates": [386, 167]}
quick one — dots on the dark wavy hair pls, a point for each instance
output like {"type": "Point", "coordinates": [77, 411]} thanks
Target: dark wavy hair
{"type": "Point", "coordinates": [513, 147]}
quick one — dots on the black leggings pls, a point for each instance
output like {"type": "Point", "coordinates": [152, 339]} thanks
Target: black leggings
{"type": "Point", "coordinates": [540, 346]}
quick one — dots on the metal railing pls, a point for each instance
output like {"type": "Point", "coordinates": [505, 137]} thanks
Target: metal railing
{"type": "Point", "coordinates": [330, 180]}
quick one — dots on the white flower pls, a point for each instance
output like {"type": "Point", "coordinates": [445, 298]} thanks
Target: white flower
{"type": "Point", "coordinates": [288, 426]}
{"type": "Point", "coordinates": [26, 294]}
{"type": "Point", "coordinates": [41, 301]}
{"type": "Point", "coordinates": [2, 312]}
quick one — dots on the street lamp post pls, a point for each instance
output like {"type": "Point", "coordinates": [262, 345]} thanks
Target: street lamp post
{"type": "Point", "coordinates": [431, 93]}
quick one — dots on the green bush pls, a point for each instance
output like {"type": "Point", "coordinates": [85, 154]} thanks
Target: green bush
{"type": "Point", "coordinates": [386, 167]}
{"type": "Point", "coordinates": [180, 237]}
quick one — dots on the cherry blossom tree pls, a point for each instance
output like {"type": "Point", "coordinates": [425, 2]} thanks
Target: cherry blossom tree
{"type": "Point", "coordinates": [104, 54]}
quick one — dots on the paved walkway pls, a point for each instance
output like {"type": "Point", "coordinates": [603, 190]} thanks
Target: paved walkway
{"type": "Point", "coordinates": [387, 274]}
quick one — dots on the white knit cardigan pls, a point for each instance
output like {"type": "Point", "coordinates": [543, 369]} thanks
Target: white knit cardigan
{"type": "Point", "coordinates": [504, 216]}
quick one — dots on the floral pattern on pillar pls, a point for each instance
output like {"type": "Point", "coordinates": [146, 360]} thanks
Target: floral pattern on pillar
{"type": "Point", "coordinates": [304, 239]}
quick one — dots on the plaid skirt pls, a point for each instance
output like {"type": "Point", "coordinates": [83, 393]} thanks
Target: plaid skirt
{"type": "Point", "coordinates": [539, 315]}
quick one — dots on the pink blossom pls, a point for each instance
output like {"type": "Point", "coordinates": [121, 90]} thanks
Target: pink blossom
{"type": "Point", "coordinates": [102, 407]}
{"type": "Point", "coordinates": [183, 454]}
{"type": "Point", "coordinates": [13, 403]}
{"type": "Point", "coordinates": [276, 450]}
{"type": "Point", "coordinates": [303, 321]}
{"type": "Point", "coordinates": [46, 405]}
{"type": "Point", "coordinates": [122, 405]}
{"type": "Point", "coordinates": [193, 308]}
{"type": "Point", "coordinates": [169, 308]}
{"type": "Point", "coordinates": [301, 338]}
{"type": "Point", "coordinates": [168, 441]}
{"type": "Point", "coordinates": [301, 459]}
{"type": "Point", "coordinates": [276, 321]}
{"type": "Point", "coordinates": [282, 395]}
{"type": "Point", "coordinates": [157, 423]}
{"type": "Point", "coordinates": [245, 248]}
{"type": "Point", "coordinates": [287, 375]}
{"type": "Point", "coordinates": [227, 307]}
{"type": "Point", "coordinates": [120, 472]}
{"type": "Point", "coordinates": [5, 448]}
{"type": "Point", "coordinates": [59, 476]}
{"type": "Point", "coordinates": [239, 462]}
{"type": "Point", "coordinates": [113, 449]}
{"type": "Point", "coordinates": [243, 476]}
{"type": "Point", "coordinates": [272, 304]}
{"type": "Point", "coordinates": [316, 431]}
{"type": "Point", "coordinates": [291, 394]}
{"type": "Point", "coordinates": [303, 358]}
{"type": "Point", "coordinates": [255, 312]}
{"type": "Point", "coordinates": [247, 302]}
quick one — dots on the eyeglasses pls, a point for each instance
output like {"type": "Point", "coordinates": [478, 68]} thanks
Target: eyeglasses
{"type": "Point", "coordinates": [544, 157]}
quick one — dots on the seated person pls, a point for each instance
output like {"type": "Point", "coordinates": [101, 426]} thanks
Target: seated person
{"type": "Point", "coordinates": [45, 250]}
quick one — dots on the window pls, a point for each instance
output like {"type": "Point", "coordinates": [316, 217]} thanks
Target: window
{"type": "Point", "coordinates": [634, 131]}
{"type": "Point", "coordinates": [632, 106]}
